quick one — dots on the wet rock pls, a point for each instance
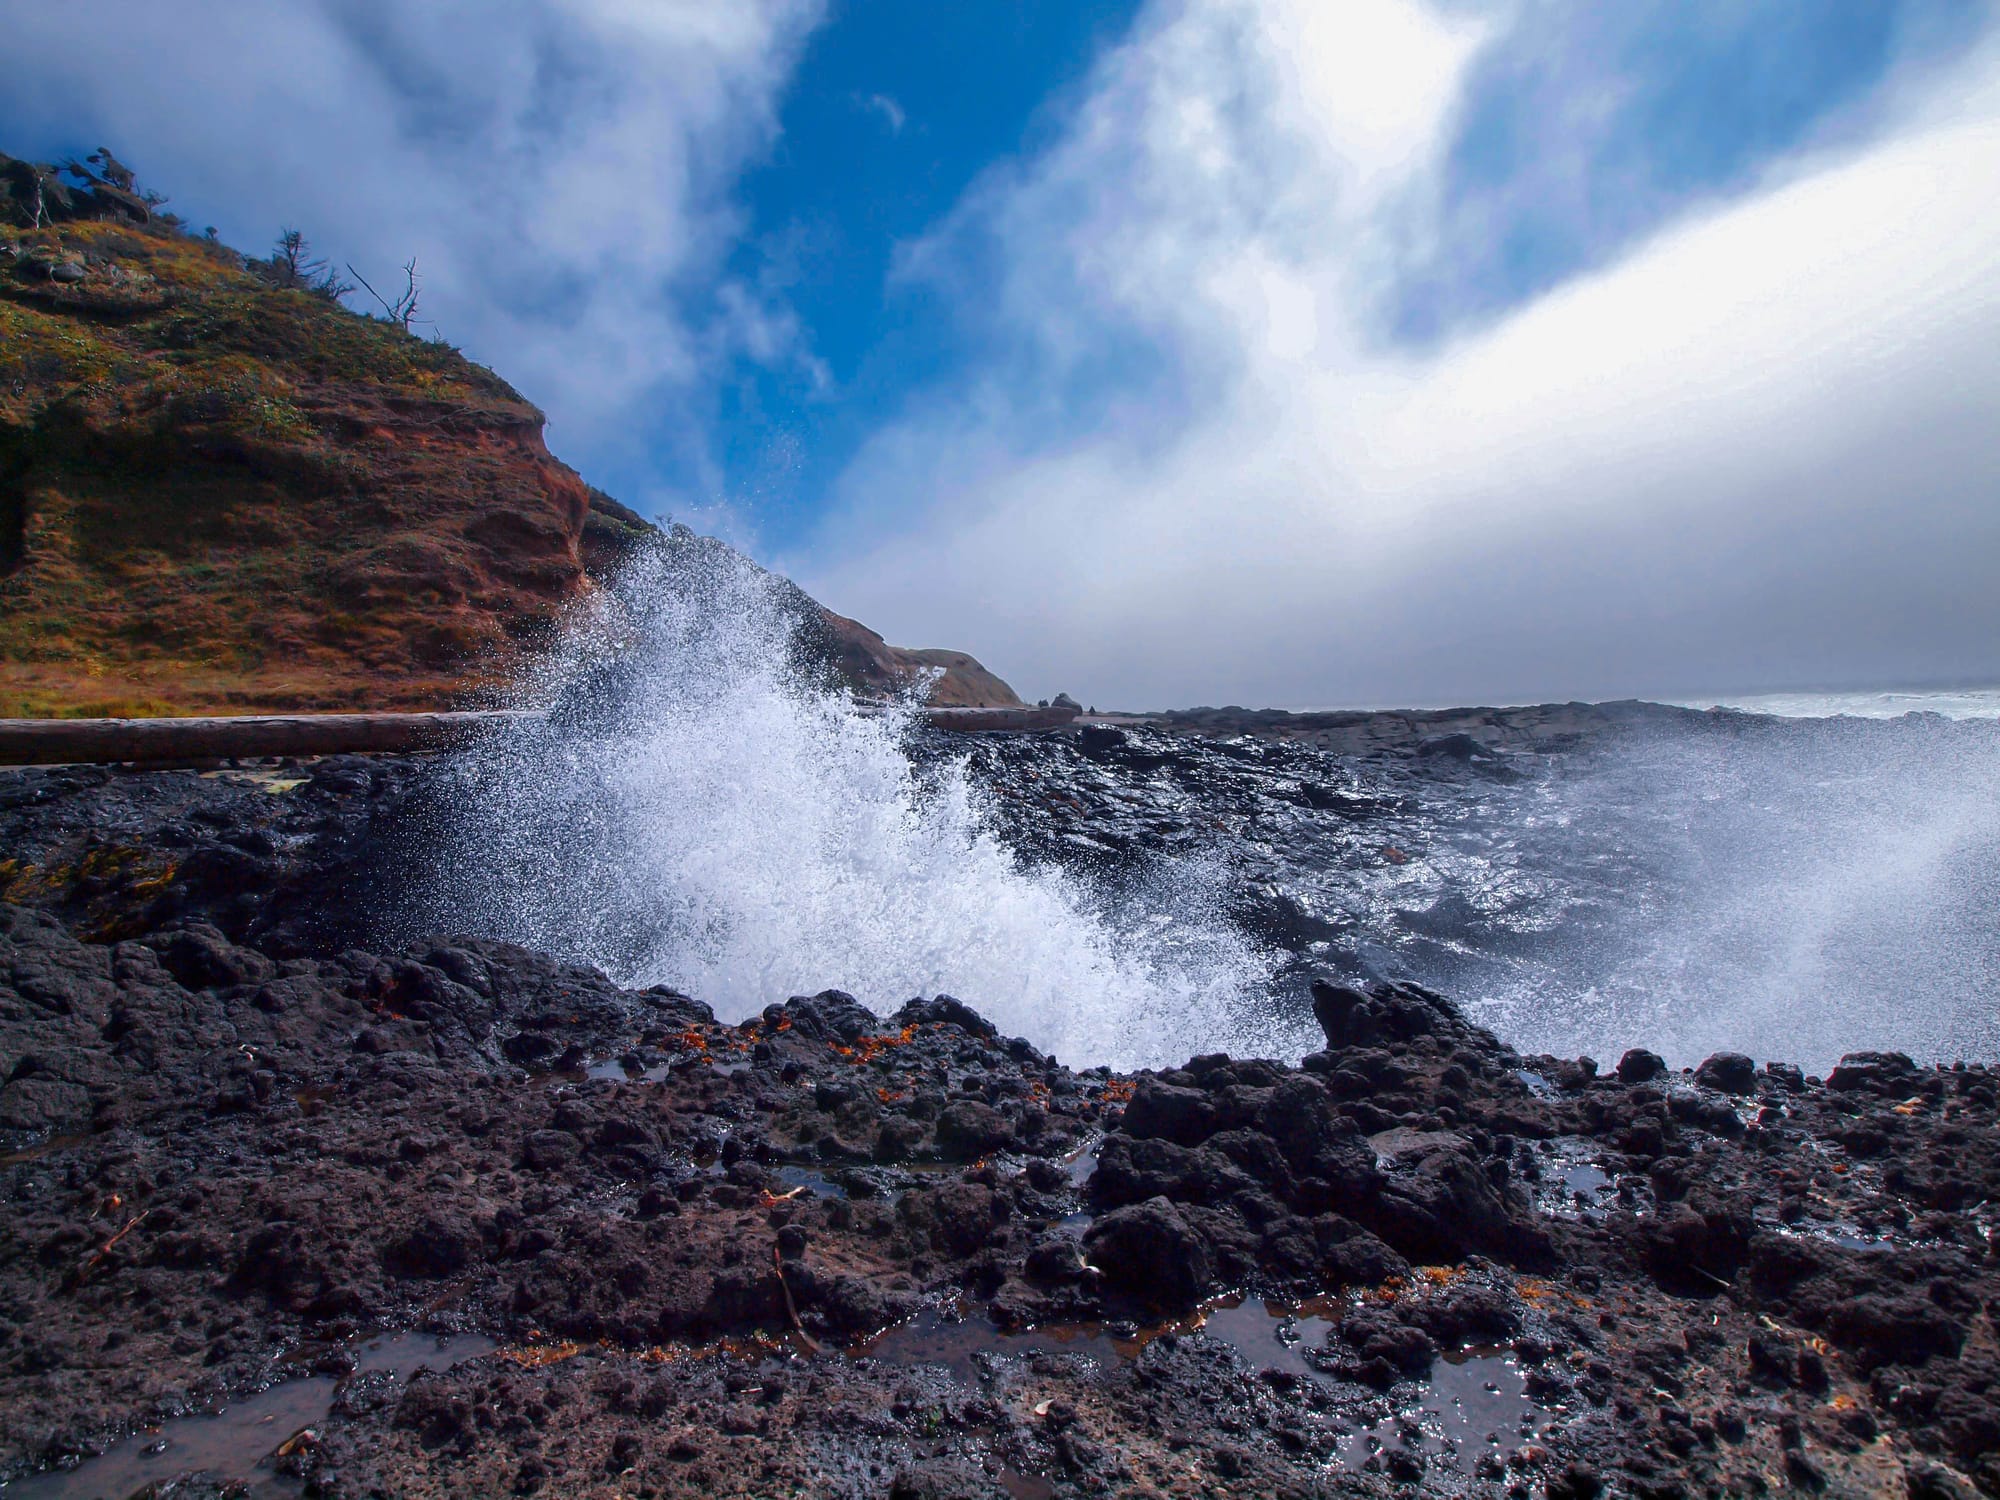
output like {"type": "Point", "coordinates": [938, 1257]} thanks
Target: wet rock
{"type": "Point", "coordinates": [1148, 1254]}
{"type": "Point", "coordinates": [550, 1150]}
{"type": "Point", "coordinates": [1459, 747]}
{"type": "Point", "coordinates": [1181, 1115]}
{"type": "Point", "coordinates": [1728, 1072]}
{"type": "Point", "coordinates": [530, 1048]}
{"type": "Point", "coordinates": [1872, 1072]}
{"type": "Point", "coordinates": [1385, 1348]}
{"type": "Point", "coordinates": [968, 1129]}
{"type": "Point", "coordinates": [1386, 1013]}
{"type": "Point", "coordinates": [1438, 1203]}
{"type": "Point", "coordinates": [943, 1010]}
{"type": "Point", "coordinates": [1640, 1066]}
{"type": "Point", "coordinates": [1056, 1260]}
{"type": "Point", "coordinates": [286, 1191]}
{"type": "Point", "coordinates": [202, 958]}
{"type": "Point", "coordinates": [1903, 1329]}
{"type": "Point", "coordinates": [1787, 1076]}
{"type": "Point", "coordinates": [1576, 1481]}
{"type": "Point", "coordinates": [432, 1247]}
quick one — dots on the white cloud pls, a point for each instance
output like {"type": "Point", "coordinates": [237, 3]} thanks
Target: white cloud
{"type": "Point", "coordinates": [561, 168]}
{"type": "Point", "coordinates": [1755, 451]}
{"type": "Point", "coordinates": [892, 113]}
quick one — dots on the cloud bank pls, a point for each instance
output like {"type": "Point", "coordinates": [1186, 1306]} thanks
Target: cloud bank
{"type": "Point", "coordinates": [560, 168]}
{"type": "Point", "coordinates": [1198, 466]}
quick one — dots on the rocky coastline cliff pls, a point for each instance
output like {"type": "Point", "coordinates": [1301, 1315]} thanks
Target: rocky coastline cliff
{"type": "Point", "coordinates": [224, 491]}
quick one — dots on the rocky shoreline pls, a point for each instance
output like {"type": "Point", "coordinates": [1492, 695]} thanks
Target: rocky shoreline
{"type": "Point", "coordinates": [447, 1217]}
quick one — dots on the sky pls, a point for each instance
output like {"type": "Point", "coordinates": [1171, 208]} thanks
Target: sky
{"type": "Point", "coordinates": [1296, 352]}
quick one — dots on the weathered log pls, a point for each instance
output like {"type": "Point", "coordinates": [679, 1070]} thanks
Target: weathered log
{"type": "Point", "coordinates": [43, 742]}
{"type": "Point", "coordinates": [975, 720]}
{"type": "Point", "coordinates": [30, 742]}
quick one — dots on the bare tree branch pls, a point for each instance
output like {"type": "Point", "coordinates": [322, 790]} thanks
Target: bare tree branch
{"type": "Point", "coordinates": [402, 311]}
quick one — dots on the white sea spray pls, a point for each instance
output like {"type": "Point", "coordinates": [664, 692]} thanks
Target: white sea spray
{"type": "Point", "coordinates": [696, 810]}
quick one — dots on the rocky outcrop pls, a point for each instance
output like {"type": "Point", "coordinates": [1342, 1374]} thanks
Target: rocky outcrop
{"type": "Point", "coordinates": [957, 680]}
{"type": "Point", "coordinates": [837, 1252]}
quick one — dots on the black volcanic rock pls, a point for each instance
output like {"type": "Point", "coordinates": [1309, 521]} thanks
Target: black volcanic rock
{"type": "Point", "coordinates": [226, 1134]}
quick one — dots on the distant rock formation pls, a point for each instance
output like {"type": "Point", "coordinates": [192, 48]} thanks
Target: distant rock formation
{"type": "Point", "coordinates": [865, 659]}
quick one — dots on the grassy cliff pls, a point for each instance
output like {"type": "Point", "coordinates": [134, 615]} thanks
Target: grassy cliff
{"type": "Point", "coordinates": [217, 493]}
{"type": "Point", "coordinates": [221, 490]}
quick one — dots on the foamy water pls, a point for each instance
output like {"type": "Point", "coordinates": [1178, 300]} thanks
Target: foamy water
{"type": "Point", "coordinates": [1881, 703]}
{"type": "Point", "coordinates": [696, 812]}
{"type": "Point", "coordinates": [1798, 894]}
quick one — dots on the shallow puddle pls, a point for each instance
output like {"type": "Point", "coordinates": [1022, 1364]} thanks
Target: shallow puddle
{"type": "Point", "coordinates": [1271, 1335]}
{"type": "Point", "coordinates": [1083, 1162]}
{"type": "Point", "coordinates": [933, 1337]}
{"type": "Point", "coordinates": [238, 1442]}
{"type": "Point", "coordinates": [1474, 1402]}
{"type": "Point", "coordinates": [812, 1180]}
{"type": "Point", "coordinates": [233, 1444]}
{"type": "Point", "coordinates": [403, 1354]}
{"type": "Point", "coordinates": [1572, 1184]}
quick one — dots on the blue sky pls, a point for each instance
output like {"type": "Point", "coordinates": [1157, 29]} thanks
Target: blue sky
{"type": "Point", "coordinates": [1000, 323]}
{"type": "Point", "coordinates": [897, 107]}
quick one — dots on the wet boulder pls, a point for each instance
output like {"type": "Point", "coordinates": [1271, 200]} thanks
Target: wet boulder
{"type": "Point", "coordinates": [1351, 1256]}
{"type": "Point", "coordinates": [1437, 1203]}
{"type": "Point", "coordinates": [1384, 1348]}
{"type": "Point", "coordinates": [530, 1048]}
{"type": "Point", "coordinates": [1318, 1143]}
{"type": "Point", "coordinates": [1640, 1066]}
{"type": "Point", "coordinates": [958, 1219]}
{"type": "Point", "coordinates": [201, 958]}
{"type": "Point", "coordinates": [1386, 1014]}
{"type": "Point", "coordinates": [1054, 1261]}
{"type": "Point", "coordinates": [1100, 741]}
{"type": "Point", "coordinates": [1895, 1329]}
{"type": "Point", "coordinates": [1874, 1073]}
{"type": "Point", "coordinates": [832, 1016]}
{"type": "Point", "coordinates": [945, 1011]}
{"type": "Point", "coordinates": [1698, 1245]}
{"type": "Point", "coordinates": [1728, 1073]}
{"type": "Point", "coordinates": [431, 1247]}
{"type": "Point", "coordinates": [1131, 1171]}
{"type": "Point", "coordinates": [550, 1150]}
{"type": "Point", "coordinates": [1162, 1111]}
{"type": "Point", "coordinates": [967, 1129]}
{"type": "Point", "coordinates": [1150, 1255]}
{"type": "Point", "coordinates": [1460, 747]}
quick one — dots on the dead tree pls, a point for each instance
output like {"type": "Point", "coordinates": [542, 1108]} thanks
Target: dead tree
{"type": "Point", "coordinates": [293, 266]}
{"type": "Point", "coordinates": [403, 311]}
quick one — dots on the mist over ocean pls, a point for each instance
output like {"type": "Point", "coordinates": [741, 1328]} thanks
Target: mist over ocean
{"type": "Point", "coordinates": [704, 816]}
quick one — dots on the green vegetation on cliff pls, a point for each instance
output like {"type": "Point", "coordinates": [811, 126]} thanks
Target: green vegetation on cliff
{"type": "Point", "coordinates": [218, 492]}
{"type": "Point", "coordinates": [222, 490]}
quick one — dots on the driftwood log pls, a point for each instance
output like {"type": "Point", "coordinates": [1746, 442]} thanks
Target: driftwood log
{"type": "Point", "coordinates": [45, 742]}
{"type": "Point", "coordinates": [31, 742]}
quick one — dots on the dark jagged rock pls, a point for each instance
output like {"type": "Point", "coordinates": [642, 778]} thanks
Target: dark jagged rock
{"type": "Point", "coordinates": [1730, 1072]}
{"type": "Point", "coordinates": [1640, 1066]}
{"type": "Point", "coordinates": [238, 1120]}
